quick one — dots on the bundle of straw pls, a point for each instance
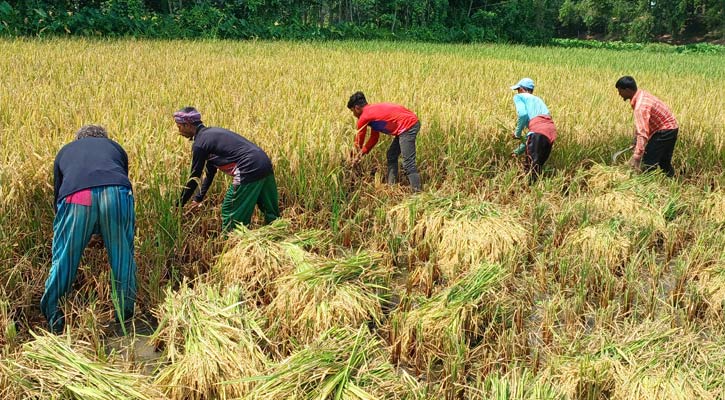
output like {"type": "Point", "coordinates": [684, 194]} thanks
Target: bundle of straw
{"type": "Point", "coordinates": [258, 257]}
{"type": "Point", "coordinates": [457, 233]}
{"type": "Point", "coordinates": [642, 360]}
{"type": "Point", "coordinates": [518, 383]}
{"type": "Point", "coordinates": [208, 338]}
{"type": "Point", "coordinates": [342, 363]}
{"type": "Point", "coordinates": [601, 178]}
{"type": "Point", "coordinates": [600, 244]}
{"type": "Point", "coordinates": [323, 293]}
{"type": "Point", "coordinates": [443, 327]}
{"type": "Point", "coordinates": [713, 207]}
{"type": "Point", "coordinates": [627, 207]}
{"type": "Point", "coordinates": [50, 367]}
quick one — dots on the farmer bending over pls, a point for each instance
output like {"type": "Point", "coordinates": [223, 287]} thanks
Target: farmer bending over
{"type": "Point", "coordinates": [656, 128]}
{"type": "Point", "coordinates": [391, 119]}
{"type": "Point", "coordinates": [92, 194]}
{"type": "Point", "coordinates": [534, 115]}
{"type": "Point", "coordinates": [248, 165]}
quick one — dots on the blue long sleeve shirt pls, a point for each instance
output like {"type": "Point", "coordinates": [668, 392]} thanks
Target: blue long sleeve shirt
{"type": "Point", "coordinates": [528, 107]}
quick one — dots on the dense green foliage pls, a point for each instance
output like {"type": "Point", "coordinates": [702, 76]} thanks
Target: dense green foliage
{"type": "Point", "coordinates": [524, 21]}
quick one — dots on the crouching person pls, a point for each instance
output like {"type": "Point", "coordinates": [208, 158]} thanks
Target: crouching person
{"type": "Point", "coordinates": [249, 166]}
{"type": "Point", "coordinates": [92, 194]}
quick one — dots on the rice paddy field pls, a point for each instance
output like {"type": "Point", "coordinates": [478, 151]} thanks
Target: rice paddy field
{"type": "Point", "coordinates": [593, 283]}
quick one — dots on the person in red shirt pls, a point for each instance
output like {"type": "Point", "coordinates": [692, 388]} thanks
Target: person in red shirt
{"type": "Point", "coordinates": [656, 128]}
{"type": "Point", "coordinates": [391, 119]}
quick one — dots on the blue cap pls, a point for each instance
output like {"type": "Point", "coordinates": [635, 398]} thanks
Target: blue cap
{"type": "Point", "coordinates": [527, 83]}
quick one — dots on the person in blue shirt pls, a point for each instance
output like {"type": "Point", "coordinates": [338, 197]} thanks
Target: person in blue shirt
{"type": "Point", "coordinates": [532, 114]}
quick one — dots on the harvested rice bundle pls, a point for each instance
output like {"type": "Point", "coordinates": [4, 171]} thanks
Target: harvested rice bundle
{"type": "Point", "coordinates": [641, 360]}
{"type": "Point", "coordinates": [601, 178]}
{"type": "Point", "coordinates": [712, 286]}
{"type": "Point", "coordinates": [50, 367]}
{"type": "Point", "coordinates": [455, 233]}
{"type": "Point", "coordinates": [600, 244]}
{"type": "Point", "coordinates": [324, 293]}
{"type": "Point", "coordinates": [626, 207]}
{"type": "Point", "coordinates": [342, 363]}
{"type": "Point", "coordinates": [518, 383]}
{"type": "Point", "coordinates": [472, 238]}
{"type": "Point", "coordinates": [257, 257]}
{"type": "Point", "coordinates": [438, 333]}
{"type": "Point", "coordinates": [208, 338]}
{"type": "Point", "coordinates": [713, 207]}
{"type": "Point", "coordinates": [666, 382]}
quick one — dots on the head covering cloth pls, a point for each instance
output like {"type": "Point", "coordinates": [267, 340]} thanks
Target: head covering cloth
{"type": "Point", "coordinates": [187, 117]}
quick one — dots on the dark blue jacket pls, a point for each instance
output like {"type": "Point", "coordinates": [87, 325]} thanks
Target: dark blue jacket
{"type": "Point", "coordinates": [87, 163]}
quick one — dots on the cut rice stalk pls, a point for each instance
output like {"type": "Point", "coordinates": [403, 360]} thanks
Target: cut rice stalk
{"type": "Point", "coordinates": [208, 337]}
{"type": "Point", "coordinates": [342, 363]}
{"type": "Point", "coordinates": [257, 257]}
{"type": "Point", "coordinates": [50, 367]}
{"type": "Point", "coordinates": [443, 327]}
{"type": "Point", "coordinates": [324, 293]}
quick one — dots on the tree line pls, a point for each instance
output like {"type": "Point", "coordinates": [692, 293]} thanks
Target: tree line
{"type": "Point", "coordinates": [521, 21]}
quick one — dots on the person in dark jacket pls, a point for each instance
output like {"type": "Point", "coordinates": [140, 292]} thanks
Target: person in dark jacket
{"type": "Point", "coordinates": [249, 166]}
{"type": "Point", "coordinates": [92, 194]}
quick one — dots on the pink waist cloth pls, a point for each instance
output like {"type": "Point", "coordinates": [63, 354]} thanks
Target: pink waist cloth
{"type": "Point", "coordinates": [81, 197]}
{"type": "Point", "coordinates": [544, 125]}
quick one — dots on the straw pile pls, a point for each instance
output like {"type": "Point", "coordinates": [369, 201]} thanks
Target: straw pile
{"type": "Point", "coordinates": [600, 244]}
{"type": "Point", "coordinates": [439, 332]}
{"type": "Point", "coordinates": [602, 178]}
{"type": "Point", "coordinates": [713, 207]}
{"type": "Point", "coordinates": [324, 293]}
{"type": "Point", "coordinates": [644, 361]}
{"type": "Point", "coordinates": [208, 337]}
{"type": "Point", "coordinates": [50, 367]}
{"type": "Point", "coordinates": [258, 257]}
{"type": "Point", "coordinates": [342, 363]}
{"type": "Point", "coordinates": [518, 383]}
{"type": "Point", "coordinates": [627, 207]}
{"type": "Point", "coordinates": [456, 233]}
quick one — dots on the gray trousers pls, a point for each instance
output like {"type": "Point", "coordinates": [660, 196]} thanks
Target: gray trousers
{"type": "Point", "coordinates": [404, 144]}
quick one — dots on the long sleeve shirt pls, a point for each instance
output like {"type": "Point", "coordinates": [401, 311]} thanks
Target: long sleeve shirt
{"type": "Point", "coordinates": [388, 118]}
{"type": "Point", "coordinates": [87, 163]}
{"type": "Point", "coordinates": [221, 149]}
{"type": "Point", "coordinates": [650, 115]}
{"type": "Point", "coordinates": [533, 114]}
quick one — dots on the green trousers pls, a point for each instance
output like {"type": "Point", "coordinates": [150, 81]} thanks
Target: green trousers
{"type": "Point", "coordinates": [238, 205]}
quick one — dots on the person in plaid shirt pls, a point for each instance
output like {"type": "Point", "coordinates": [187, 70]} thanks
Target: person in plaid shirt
{"type": "Point", "coordinates": [656, 128]}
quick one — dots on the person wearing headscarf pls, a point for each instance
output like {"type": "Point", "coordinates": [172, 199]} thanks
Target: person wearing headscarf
{"type": "Point", "coordinates": [253, 181]}
{"type": "Point", "coordinates": [92, 194]}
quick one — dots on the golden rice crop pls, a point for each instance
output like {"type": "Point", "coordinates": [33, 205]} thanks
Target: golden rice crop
{"type": "Point", "coordinates": [458, 233]}
{"type": "Point", "coordinates": [342, 363]}
{"type": "Point", "coordinates": [289, 98]}
{"type": "Point", "coordinates": [600, 178]}
{"type": "Point", "coordinates": [256, 258]}
{"type": "Point", "coordinates": [642, 361]}
{"type": "Point", "coordinates": [518, 383]}
{"type": "Point", "coordinates": [600, 244]}
{"type": "Point", "coordinates": [208, 337]}
{"type": "Point", "coordinates": [712, 207]}
{"type": "Point", "coordinates": [61, 367]}
{"type": "Point", "coordinates": [626, 207]}
{"type": "Point", "coordinates": [441, 329]}
{"type": "Point", "coordinates": [324, 293]}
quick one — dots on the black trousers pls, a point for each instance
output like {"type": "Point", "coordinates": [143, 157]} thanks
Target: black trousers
{"type": "Point", "coordinates": [538, 149]}
{"type": "Point", "coordinates": [658, 151]}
